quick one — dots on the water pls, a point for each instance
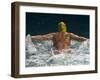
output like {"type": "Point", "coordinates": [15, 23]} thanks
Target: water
{"type": "Point", "coordinates": [40, 53]}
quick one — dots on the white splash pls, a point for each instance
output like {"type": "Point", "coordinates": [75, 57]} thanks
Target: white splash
{"type": "Point", "coordinates": [40, 53]}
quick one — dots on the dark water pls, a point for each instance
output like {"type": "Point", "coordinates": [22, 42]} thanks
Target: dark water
{"type": "Point", "coordinates": [43, 23]}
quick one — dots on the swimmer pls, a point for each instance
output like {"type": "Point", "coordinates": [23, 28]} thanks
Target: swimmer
{"type": "Point", "coordinates": [61, 39]}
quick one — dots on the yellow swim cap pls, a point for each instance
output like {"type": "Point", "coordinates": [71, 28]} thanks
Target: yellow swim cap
{"type": "Point", "coordinates": [62, 27]}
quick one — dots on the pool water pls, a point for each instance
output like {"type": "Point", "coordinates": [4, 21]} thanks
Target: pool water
{"type": "Point", "coordinates": [40, 53]}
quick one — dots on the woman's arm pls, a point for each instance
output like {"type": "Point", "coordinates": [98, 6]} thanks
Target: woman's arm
{"type": "Point", "coordinates": [43, 37]}
{"type": "Point", "coordinates": [77, 38]}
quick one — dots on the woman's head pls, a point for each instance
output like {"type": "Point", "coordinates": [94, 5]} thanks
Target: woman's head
{"type": "Point", "coordinates": [62, 27]}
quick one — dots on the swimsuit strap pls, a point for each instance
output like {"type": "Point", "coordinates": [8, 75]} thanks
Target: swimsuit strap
{"type": "Point", "coordinates": [67, 36]}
